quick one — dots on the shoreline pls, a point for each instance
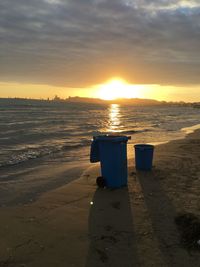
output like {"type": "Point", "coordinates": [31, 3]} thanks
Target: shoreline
{"type": "Point", "coordinates": [26, 189]}
{"type": "Point", "coordinates": [78, 224]}
{"type": "Point", "coordinates": [187, 130]}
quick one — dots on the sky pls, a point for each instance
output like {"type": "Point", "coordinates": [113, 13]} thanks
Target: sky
{"type": "Point", "coordinates": [72, 47]}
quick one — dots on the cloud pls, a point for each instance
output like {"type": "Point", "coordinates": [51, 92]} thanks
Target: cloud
{"type": "Point", "coordinates": [156, 5]}
{"type": "Point", "coordinates": [83, 42]}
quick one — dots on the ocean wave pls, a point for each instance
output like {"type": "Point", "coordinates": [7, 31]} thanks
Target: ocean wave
{"type": "Point", "coordinates": [75, 146]}
{"type": "Point", "coordinates": [19, 156]}
{"type": "Point", "coordinates": [126, 132]}
{"type": "Point", "coordinates": [120, 132]}
{"type": "Point", "coordinates": [130, 132]}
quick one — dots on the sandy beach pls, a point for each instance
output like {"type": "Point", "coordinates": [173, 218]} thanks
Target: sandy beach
{"type": "Point", "coordinates": [77, 224]}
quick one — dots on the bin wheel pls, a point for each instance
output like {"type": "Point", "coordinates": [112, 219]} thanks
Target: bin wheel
{"type": "Point", "coordinates": [100, 181]}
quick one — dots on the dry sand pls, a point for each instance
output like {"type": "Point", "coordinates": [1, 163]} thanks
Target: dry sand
{"type": "Point", "coordinates": [80, 225]}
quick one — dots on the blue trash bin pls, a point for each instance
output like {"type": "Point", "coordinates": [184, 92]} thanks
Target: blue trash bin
{"type": "Point", "coordinates": [111, 151]}
{"type": "Point", "coordinates": [144, 157]}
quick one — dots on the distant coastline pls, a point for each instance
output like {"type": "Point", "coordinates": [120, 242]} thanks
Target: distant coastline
{"type": "Point", "coordinates": [87, 100]}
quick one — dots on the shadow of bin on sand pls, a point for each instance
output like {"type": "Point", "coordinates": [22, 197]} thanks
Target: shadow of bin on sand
{"type": "Point", "coordinates": [144, 157]}
{"type": "Point", "coordinates": [111, 151]}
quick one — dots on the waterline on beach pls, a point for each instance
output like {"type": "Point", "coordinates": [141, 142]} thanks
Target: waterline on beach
{"type": "Point", "coordinates": [191, 129]}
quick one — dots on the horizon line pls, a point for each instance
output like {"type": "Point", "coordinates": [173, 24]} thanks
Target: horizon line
{"type": "Point", "coordinates": [58, 99]}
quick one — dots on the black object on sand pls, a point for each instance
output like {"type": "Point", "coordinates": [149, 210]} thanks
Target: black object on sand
{"type": "Point", "coordinates": [189, 227]}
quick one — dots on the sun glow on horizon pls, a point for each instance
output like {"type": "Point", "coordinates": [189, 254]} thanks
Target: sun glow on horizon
{"type": "Point", "coordinates": [118, 88]}
{"type": "Point", "coordinates": [110, 90]}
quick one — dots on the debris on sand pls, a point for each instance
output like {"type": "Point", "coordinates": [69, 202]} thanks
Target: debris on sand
{"type": "Point", "coordinates": [189, 227]}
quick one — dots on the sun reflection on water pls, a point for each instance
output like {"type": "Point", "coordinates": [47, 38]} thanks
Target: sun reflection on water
{"type": "Point", "coordinates": [114, 118]}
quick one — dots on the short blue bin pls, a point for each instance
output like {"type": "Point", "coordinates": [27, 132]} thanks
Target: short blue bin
{"type": "Point", "coordinates": [144, 157]}
{"type": "Point", "coordinates": [112, 154]}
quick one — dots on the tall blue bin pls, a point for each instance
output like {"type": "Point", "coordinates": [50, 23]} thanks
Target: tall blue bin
{"type": "Point", "coordinates": [111, 151]}
{"type": "Point", "coordinates": [144, 157]}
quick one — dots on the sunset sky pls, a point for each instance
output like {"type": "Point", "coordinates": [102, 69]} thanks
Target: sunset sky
{"type": "Point", "coordinates": [143, 48]}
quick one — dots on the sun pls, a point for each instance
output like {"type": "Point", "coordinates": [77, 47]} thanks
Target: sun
{"type": "Point", "coordinates": [116, 88]}
{"type": "Point", "coordinates": [112, 89]}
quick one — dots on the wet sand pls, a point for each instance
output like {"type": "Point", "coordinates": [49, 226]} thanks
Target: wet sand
{"type": "Point", "coordinates": [77, 224]}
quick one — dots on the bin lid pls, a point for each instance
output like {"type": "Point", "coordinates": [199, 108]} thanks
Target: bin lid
{"type": "Point", "coordinates": [144, 146]}
{"type": "Point", "coordinates": [112, 138]}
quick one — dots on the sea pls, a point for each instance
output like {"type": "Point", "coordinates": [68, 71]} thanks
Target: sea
{"type": "Point", "coordinates": [31, 129]}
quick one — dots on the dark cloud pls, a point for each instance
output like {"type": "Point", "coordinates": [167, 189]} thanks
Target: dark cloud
{"type": "Point", "coordinates": [82, 42]}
